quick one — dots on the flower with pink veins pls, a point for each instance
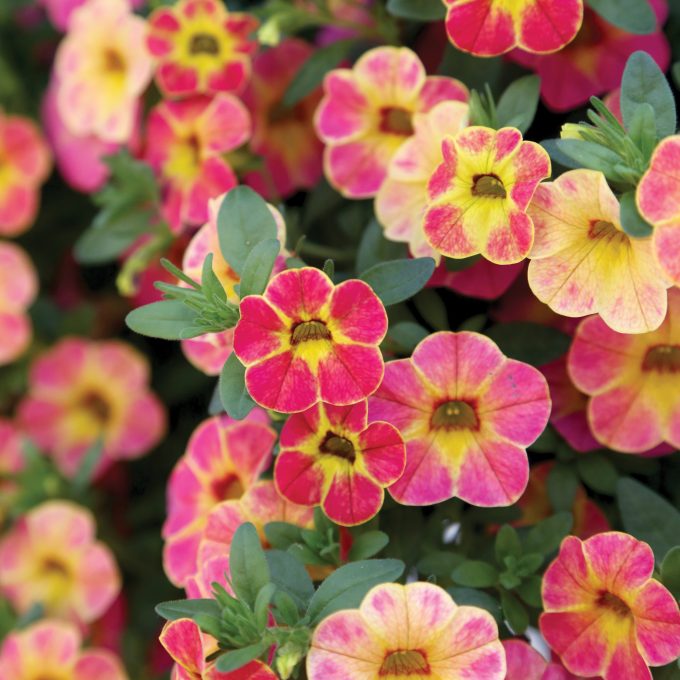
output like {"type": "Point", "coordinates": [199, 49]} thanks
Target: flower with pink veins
{"type": "Point", "coordinates": [604, 614]}
{"type": "Point", "coordinates": [467, 414]}
{"type": "Point", "coordinates": [368, 113]}
{"type": "Point", "coordinates": [102, 68]}
{"type": "Point", "coordinates": [223, 459]}
{"type": "Point", "coordinates": [307, 340]}
{"type": "Point", "coordinates": [52, 649]}
{"type": "Point", "coordinates": [186, 145]}
{"type": "Point", "coordinates": [50, 556]}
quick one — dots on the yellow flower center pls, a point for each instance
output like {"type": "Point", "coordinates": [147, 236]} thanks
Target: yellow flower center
{"type": "Point", "coordinates": [309, 330]}
{"type": "Point", "coordinates": [614, 604]}
{"type": "Point", "coordinates": [488, 186]}
{"type": "Point", "coordinates": [227, 488]}
{"type": "Point", "coordinates": [96, 407]}
{"type": "Point", "coordinates": [53, 567]}
{"type": "Point", "coordinates": [455, 415]}
{"type": "Point", "coordinates": [405, 662]}
{"type": "Point", "coordinates": [396, 121]}
{"type": "Point", "coordinates": [113, 61]}
{"type": "Point", "coordinates": [662, 359]}
{"type": "Point", "coordinates": [204, 43]}
{"type": "Point", "coordinates": [335, 445]}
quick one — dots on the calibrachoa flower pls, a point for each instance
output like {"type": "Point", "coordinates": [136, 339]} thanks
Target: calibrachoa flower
{"type": "Point", "coordinates": [186, 145]}
{"type": "Point", "coordinates": [18, 288]}
{"type": "Point", "coordinates": [11, 463]}
{"type": "Point", "coordinates": [400, 631]}
{"type": "Point", "coordinates": [51, 649]}
{"type": "Point", "coordinates": [259, 505]}
{"type": "Point", "coordinates": [306, 340]}
{"type": "Point", "coordinates": [223, 458]}
{"type": "Point", "coordinates": [466, 413]}
{"type": "Point", "coordinates": [582, 262]}
{"type": "Point", "coordinates": [401, 201]}
{"type": "Point", "coordinates": [283, 136]}
{"type": "Point", "coordinates": [333, 457]}
{"type": "Point", "coordinates": [604, 614]}
{"type": "Point", "coordinates": [59, 11]}
{"type": "Point", "coordinates": [201, 47]}
{"type": "Point", "coordinates": [628, 375]}
{"type": "Point", "coordinates": [525, 663]}
{"type": "Point", "coordinates": [188, 647]}
{"type": "Point", "coordinates": [51, 557]}
{"type": "Point", "coordinates": [82, 390]}
{"type": "Point", "coordinates": [368, 113]}
{"type": "Point", "coordinates": [488, 28]}
{"type": "Point", "coordinates": [658, 198]}
{"type": "Point", "coordinates": [593, 62]}
{"type": "Point", "coordinates": [102, 67]}
{"type": "Point", "coordinates": [25, 163]}
{"type": "Point", "coordinates": [480, 193]}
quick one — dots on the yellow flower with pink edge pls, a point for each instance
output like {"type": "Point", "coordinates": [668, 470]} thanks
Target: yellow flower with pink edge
{"type": "Point", "coordinates": [51, 557]}
{"type": "Point", "coordinates": [102, 68]}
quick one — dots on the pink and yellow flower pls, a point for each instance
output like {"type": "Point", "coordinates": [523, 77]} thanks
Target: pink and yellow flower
{"type": "Point", "coordinates": [306, 340]}
{"type": "Point", "coordinates": [525, 663]}
{"type": "Point", "coordinates": [487, 28]}
{"type": "Point", "coordinates": [25, 163]}
{"type": "Point", "coordinates": [11, 463]}
{"type": "Point", "coordinates": [632, 382]}
{"type": "Point", "coordinates": [283, 136]}
{"type": "Point", "coordinates": [333, 457]}
{"type": "Point", "coordinates": [201, 47]}
{"type": "Point", "coordinates": [402, 198]}
{"type": "Point", "coordinates": [223, 459]}
{"type": "Point", "coordinates": [582, 262]}
{"type": "Point", "coordinates": [59, 12]}
{"type": "Point", "coordinates": [81, 391]}
{"type": "Point", "coordinates": [102, 68]}
{"type": "Point", "coordinates": [52, 649]}
{"type": "Point", "coordinates": [189, 648]}
{"type": "Point", "coordinates": [658, 198]}
{"type": "Point", "coordinates": [593, 62]}
{"type": "Point", "coordinates": [400, 631]}
{"type": "Point", "coordinates": [186, 145]}
{"type": "Point", "coordinates": [368, 112]}
{"type": "Point", "coordinates": [467, 414]}
{"type": "Point", "coordinates": [604, 614]}
{"type": "Point", "coordinates": [51, 557]}
{"type": "Point", "coordinates": [479, 195]}
{"type": "Point", "coordinates": [18, 288]}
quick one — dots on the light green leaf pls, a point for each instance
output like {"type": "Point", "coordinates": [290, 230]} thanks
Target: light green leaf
{"type": "Point", "coordinates": [258, 266]}
{"type": "Point", "coordinates": [166, 319]}
{"type": "Point", "coordinates": [232, 386]}
{"type": "Point", "coordinates": [247, 564]}
{"type": "Point", "coordinates": [398, 280]}
{"type": "Point", "coordinates": [631, 221]}
{"type": "Point", "coordinates": [517, 105]}
{"type": "Point", "coordinates": [419, 10]}
{"type": "Point", "coordinates": [475, 574]}
{"type": "Point", "coordinates": [632, 16]}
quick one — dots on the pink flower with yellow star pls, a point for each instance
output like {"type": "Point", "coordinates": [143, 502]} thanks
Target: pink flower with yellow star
{"type": "Point", "coordinates": [415, 630]}
{"type": "Point", "coordinates": [333, 457]}
{"type": "Point", "coordinates": [200, 47]}
{"type": "Point", "coordinates": [467, 414]}
{"type": "Point", "coordinates": [186, 145]}
{"type": "Point", "coordinates": [307, 340]}
{"type": "Point", "coordinates": [52, 649]}
{"type": "Point", "coordinates": [81, 391]}
{"type": "Point", "coordinates": [604, 614]}
{"type": "Point", "coordinates": [368, 112]}
{"type": "Point", "coordinates": [658, 198]}
{"type": "Point", "coordinates": [50, 556]}
{"type": "Point", "coordinates": [480, 193]}
{"type": "Point", "coordinates": [223, 459]}
{"type": "Point", "coordinates": [630, 374]}
{"type": "Point", "coordinates": [102, 68]}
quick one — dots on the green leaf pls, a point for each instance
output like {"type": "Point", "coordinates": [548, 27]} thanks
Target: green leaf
{"type": "Point", "coordinates": [374, 248]}
{"type": "Point", "coordinates": [648, 516]}
{"type": "Point", "coordinates": [562, 486]}
{"type": "Point", "coordinates": [232, 386]}
{"type": "Point", "coordinates": [258, 267]}
{"type": "Point", "coordinates": [247, 564]}
{"type": "Point", "coordinates": [262, 602]}
{"type": "Point", "coordinates": [598, 473]}
{"type": "Point", "coordinates": [631, 221]}
{"type": "Point", "coordinates": [530, 591]}
{"type": "Point", "coordinates": [590, 155]}
{"type": "Point", "coordinates": [398, 280]}
{"type": "Point", "coordinates": [432, 308]}
{"type": "Point", "coordinates": [418, 10]}
{"type": "Point", "coordinates": [532, 343]}
{"type": "Point", "coordinates": [238, 658]}
{"type": "Point", "coordinates": [475, 574]}
{"type": "Point", "coordinates": [546, 536]}
{"type": "Point", "coordinates": [346, 587]}
{"type": "Point", "coordinates": [439, 563]}
{"type": "Point", "coordinates": [642, 130]}
{"type": "Point", "coordinates": [187, 609]}
{"type": "Point", "coordinates": [367, 545]}
{"type": "Point", "coordinates": [632, 16]}
{"type": "Point", "coordinates": [290, 576]}
{"type": "Point", "coordinates": [165, 319]}
{"type": "Point", "coordinates": [515, 613]}
{"type": "Point", "coordinates": [282, 535]}
{"type": "Point", "coordinates": [407, 335]}
{"type": "Point", "coordinates": [670, 571]}
{"type": "Point", "coordinates": [244, 219]}
{"type": "Point", "coordinates": [458, 265]}
{"type": "Point", "coordinates": [644, 83]}
{"type": "Point", "coordinates": [507, 543]}
{"type": "Point", "coordinates": [88, 464]}
{"type": "Point", "coordinates": [476, 598]}
{"type": "Point", "coordinates": [517, 105]}
{"type": "Point", "coordinates": [312, 72]}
